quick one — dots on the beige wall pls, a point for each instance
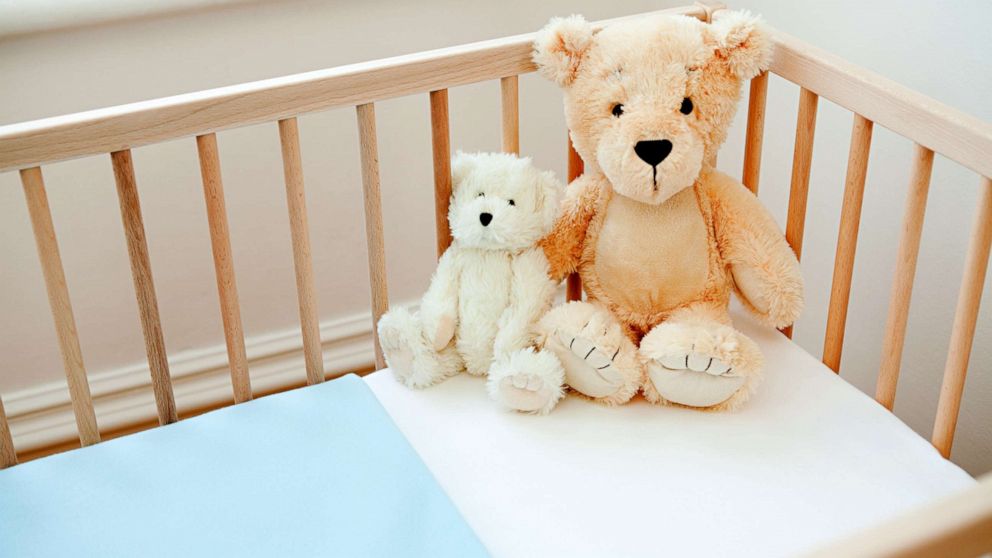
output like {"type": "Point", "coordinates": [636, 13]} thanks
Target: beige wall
{"type": "Point", "coordinates": [940, 51]}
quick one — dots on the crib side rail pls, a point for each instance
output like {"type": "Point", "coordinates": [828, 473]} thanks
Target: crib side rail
{"type": "Point", "coordinates": [938, 127]}
{"type": "Point", "coordinates": [933, 128]}
{"type": "Point", "coordinates": [117, 130]}
{"type": "Point", "coordinates": [128, 126]}
{"type": "Point", "coordinates": [957, 526]}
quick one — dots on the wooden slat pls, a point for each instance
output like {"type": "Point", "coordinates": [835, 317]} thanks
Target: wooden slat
{"type": "Point", "coordinates": [802, 158]}
{"type": "Point", "coordinates": [8, 456]}
{"type": "Point", "coordinates": [510, 105]}
{"type": "Point", "coordinates": [128, 126]}
{"type": "Point", "coordinates": [573, 286]}
{"type": "Point", "coordinates": [965, 317]}
{"type": "Point", "coordinates": [227, 287]}
{"type": "Point", "coordinates": [373, 220]}
{"type": "Point", "coordinates": [958, 526]}
{"type": "Point", "coordinates": [847, 240]}
{"type": "Point", "coordinates": [950, 132]}
{"type": "Point", "coordinates": [902, 284]}
{"type": "Point", "coordinates": [296, 200]}
{"type": "Point", "coordinates": [755, 136]}
{"type": "Point", "coordinates": [441, 147]}
{"type": "Point", "coordinates": [144, 286]}
{"type": "Point", "coordinates": [58, 300]}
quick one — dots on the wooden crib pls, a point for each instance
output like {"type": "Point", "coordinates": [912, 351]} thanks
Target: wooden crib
{"type": "Point", "coordinates": [961, 526]}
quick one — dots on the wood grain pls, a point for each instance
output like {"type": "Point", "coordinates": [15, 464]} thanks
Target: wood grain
{"type": "Point", "coordinates": [902, 283]}
{"type": "Point", "coordinates": [847, 241]}
{"type": "Point", "coordinates": [58, 300]}
{"type": "Point", "coordinates": [144, 286]}
{"type": "Point", "coordinates": [296, 200]}
{"type": "Point", "coordinates": [573, 285]}
{"type": "Point", "coordinates": [8, 456]}
{"type": "Point", "coordinates": [510, 112]}
{"type": "Point", "coordinates": [965, 318]}
{"type": "Point", "coordinates": [755, 135]}
{"type": "Point", "coordinates": [128, 126]}
{"type": "Point", "coordinates": [373, 220]}
{"type": "Point", "coordinates": [441, 149]}
{"type": "Point", "coordinates": [802, 158]}
{"type": "Point", "coordinates": [227, 287]}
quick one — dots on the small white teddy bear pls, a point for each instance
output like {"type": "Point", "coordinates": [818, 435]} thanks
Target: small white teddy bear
{"type": "Point", "coordinates": [490, 288]}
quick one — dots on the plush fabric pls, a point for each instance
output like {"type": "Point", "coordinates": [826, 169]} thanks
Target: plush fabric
{"type": "Point", "coordinates": [318, 471]}
{"type": "Point", "coordinates": [658, 236]}
{"type": "Point", "coordinates": [490, 287]}
{"type": "Point", "coordinates": [808, 460]}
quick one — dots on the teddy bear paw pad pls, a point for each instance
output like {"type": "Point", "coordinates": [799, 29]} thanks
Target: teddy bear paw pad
{"type": "Point", "coordinates": [524, 392]}
{"type": "Point", "coordinates": [694, 379]}
{"type": "Point", "coordinates": [589, 369]}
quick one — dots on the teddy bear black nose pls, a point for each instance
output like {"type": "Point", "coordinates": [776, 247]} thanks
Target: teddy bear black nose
{"type": "Point", "coordinates": [653, 152]}
{"type": "Point", "coordinates": [485, 218]}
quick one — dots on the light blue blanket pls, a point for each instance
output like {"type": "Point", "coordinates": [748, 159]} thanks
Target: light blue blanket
{"type": "Point", "coordinates": [319, 471]}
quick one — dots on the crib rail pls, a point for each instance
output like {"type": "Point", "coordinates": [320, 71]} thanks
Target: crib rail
{"type": "Point", "coordinates": [934, 128]}
{"type": "Point", "coordinates": [128, 126]}
{"type": "Point", "coordinates": [959, 526]}
{"type": "Point", "coordinates": [118, 130]}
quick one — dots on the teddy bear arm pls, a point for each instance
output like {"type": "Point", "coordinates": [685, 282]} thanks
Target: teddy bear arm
{"type": "Point", "coordinates": [766, 273]}
{"type": "Point", "coordinates": [564, 244]}
{"type": "Point", "coordinates": [439, 306]}
{"type": "Point", "coordinates": [531, 295]}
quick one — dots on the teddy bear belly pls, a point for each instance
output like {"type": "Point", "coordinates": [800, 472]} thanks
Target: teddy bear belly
{"type": "Point", "coordinates": [483, 295]}
{"type": "Point", "coordinates": [650, 259]}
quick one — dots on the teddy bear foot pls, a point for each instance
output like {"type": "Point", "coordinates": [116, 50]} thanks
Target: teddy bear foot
{"type": "Point", "coordinates": [412, 360]}
{"type": "Point", "coordinates": [600, 362]}
{"type": "Point", "coordinates": [527, 381]}
{"type": "Point", "coordinates": [710, 366]}
{"type": "Point", "coordinates": [588, 369]}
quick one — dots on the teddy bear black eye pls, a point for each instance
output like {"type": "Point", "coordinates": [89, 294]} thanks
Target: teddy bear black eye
{"type": "Point", "coordinates": [686, 107]}
{"type": "Point", "coordinates": [511, 202]}
{"type": "Point", "coordinates": [482, 194]}
{"type": "Point", "coordinates": [617, 110]}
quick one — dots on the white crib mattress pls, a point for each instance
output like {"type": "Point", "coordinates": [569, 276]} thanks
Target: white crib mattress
{"type": "Point", "coordinates": [809, 459]}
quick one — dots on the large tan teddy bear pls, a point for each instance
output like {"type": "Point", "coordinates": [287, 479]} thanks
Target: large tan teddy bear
{"type": "Point", "coordinates": [659, 237]}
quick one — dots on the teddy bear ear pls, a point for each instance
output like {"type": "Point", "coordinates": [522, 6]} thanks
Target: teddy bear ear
{"type": "Point", "coordinates": [743, 41]}
{"type": "Point", "coordinates": [461, 165]}
{"type": "Point", "coordinates": [560, 46]}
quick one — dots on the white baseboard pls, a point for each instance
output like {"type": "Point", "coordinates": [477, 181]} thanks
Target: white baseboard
{"type": "Point", "coordinates": [41, 416]}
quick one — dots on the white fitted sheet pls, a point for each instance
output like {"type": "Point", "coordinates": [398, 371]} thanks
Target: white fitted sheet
{"type": "Point", "coordinates": [809, 458]}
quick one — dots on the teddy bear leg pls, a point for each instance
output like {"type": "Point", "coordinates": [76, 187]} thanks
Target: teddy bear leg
{"type": "Point", "coordinates": [599, 361]}
{"type": "Point", "coordinates": [527, 380]}
{"type": "Point", "coordinates": [697, 359]}
{"type": "Point", "coordinates": [410, 356]}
